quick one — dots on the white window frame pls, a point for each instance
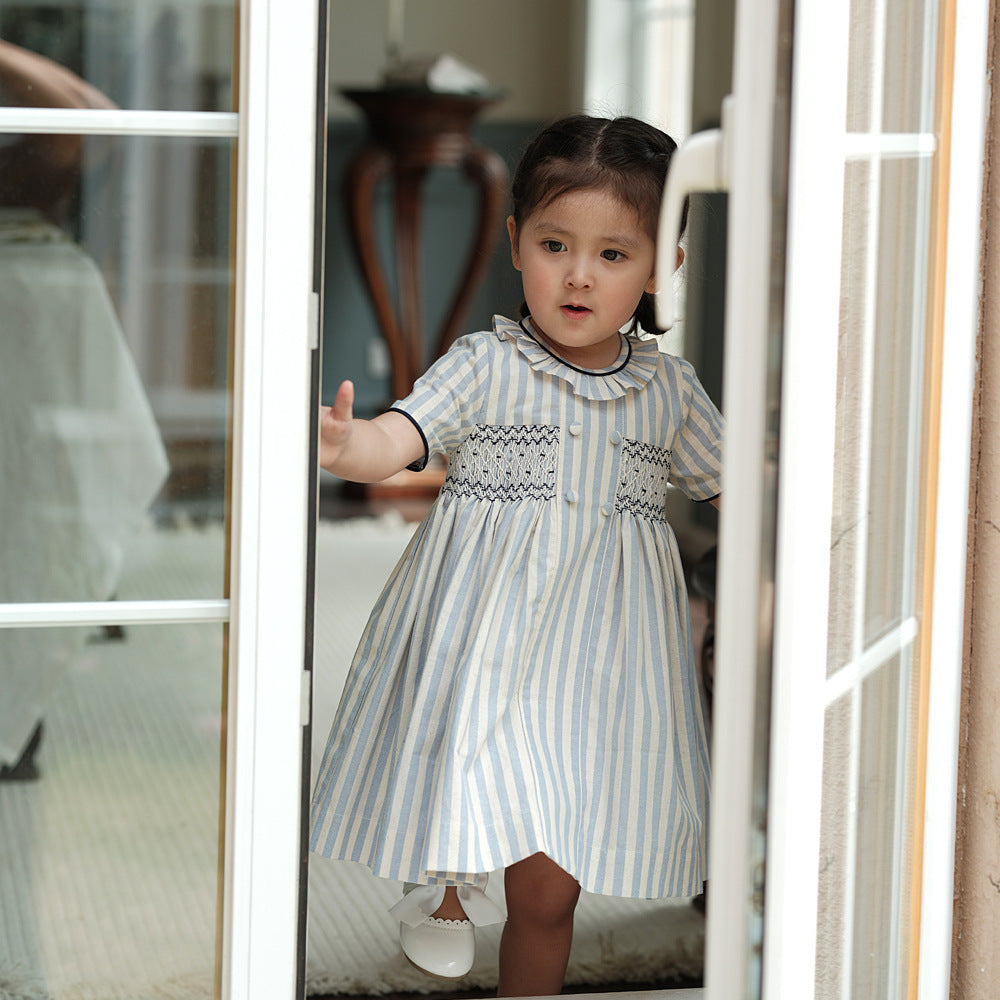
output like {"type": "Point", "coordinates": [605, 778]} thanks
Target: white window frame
{"type": "Point", "coordinates": [278, 319]}
{"type": "Point", "coordinates": [969, 108]}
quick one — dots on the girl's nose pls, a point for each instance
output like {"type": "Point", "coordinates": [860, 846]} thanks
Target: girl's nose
{"type": "Point", "coordinates": [578, 275]}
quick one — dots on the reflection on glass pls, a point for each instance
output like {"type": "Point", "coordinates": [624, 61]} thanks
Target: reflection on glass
{"type": "Point", "coordinates": [113, 391]}
{"type": "Point", "coordinates": [881, 898]}
{"type": "Point", "coordinates": [897, 367]}
{"type": "Point", "coordinates": [833, 849]}
{"type": "Point", "coordinates": [844, 534]}
{"type": "Point", "coordinates": [867, 837]}
{"type": "Point", "coordinates": [909, 54]}
{"type": "Point", "coordinates": [109, 859]}
{"type": "Point", "coordinates": [860, 58]}
{"type": "Point", "coordinates": [879, 396]}
{"type": "Point", "coordinates": [115, 287]}
{"type": "Point", "coordinates": [893, 44]}
{"type": "Point", "coordinates": [869, 755]}
{"type": "Point", "coordinates": [113, 362]}
{"type": "Point", "coordinates": [159, 55]}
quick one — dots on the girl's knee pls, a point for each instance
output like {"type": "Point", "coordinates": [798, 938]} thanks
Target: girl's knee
{"type": "Point", "coordinates": [538, 890]}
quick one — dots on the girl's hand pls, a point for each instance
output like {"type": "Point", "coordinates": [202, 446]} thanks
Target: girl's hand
{"type": "Point", "coordinates": [365, 451]}
{"type": "Point", "coordinates": [335, 426]}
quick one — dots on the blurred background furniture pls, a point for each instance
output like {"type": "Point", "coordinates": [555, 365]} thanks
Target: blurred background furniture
{"type": "Point", "coordinates": [412, 131]}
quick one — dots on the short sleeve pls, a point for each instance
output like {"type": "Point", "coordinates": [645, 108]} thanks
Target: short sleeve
{"type": "Point", "coordinates": [696, 452]}
{"type": "Point", "coordinates": [445, 400]}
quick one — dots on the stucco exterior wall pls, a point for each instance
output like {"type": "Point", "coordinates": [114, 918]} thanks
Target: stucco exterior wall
{"type": "Point", "coordinates": [975, 954]}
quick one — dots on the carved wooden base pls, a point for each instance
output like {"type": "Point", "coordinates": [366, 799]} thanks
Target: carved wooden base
{"type": "Point", "coordinates": [410, 132]}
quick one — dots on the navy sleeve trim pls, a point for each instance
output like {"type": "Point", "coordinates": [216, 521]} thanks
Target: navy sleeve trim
{"type": "Point", "coordinates": [421, 463]}
{"type": "Point", "coordinates": [709, 499]}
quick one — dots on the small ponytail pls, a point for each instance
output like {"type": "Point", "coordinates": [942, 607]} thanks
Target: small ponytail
{"type": "Point", "coordinates": [645, 314]}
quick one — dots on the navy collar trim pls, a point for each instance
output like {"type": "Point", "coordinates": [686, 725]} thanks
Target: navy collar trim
{"type": "Point", "coordinates": [603, 373]}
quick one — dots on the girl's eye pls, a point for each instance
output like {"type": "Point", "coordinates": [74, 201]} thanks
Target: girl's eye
{"type": "Point", "coordinates": [612, 255]}
{"type": "Point", "coordinates": [554, 246]}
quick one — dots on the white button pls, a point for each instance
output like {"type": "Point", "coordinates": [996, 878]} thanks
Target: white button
{"type": "Point", "coordinates": [575, 429]}
{"type": "Point", "coordinates": [615, 438]}
{"type": "Point", "coordinates": [608, 509]}
{"type": "Point", "coordinates": [571, 496]}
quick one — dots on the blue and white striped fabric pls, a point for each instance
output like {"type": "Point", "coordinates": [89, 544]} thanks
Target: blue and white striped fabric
{"type": "Point", "coordinates": [526, 682]}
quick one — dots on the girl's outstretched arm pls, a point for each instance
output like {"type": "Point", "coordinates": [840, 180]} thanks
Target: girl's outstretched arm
{"type": "Point", "coordinates": [365, 451]}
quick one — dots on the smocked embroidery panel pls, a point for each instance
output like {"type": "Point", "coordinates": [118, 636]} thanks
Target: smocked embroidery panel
{"type": "Point", "coordinates": [642, 482]}
{"type": "Point", "coordinates": [505, 463]}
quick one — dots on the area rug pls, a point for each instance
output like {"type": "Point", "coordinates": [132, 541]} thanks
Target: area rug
{"type": "Point", "coordinates": [108, 863]}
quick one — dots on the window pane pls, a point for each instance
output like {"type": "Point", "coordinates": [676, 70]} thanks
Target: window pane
{"type": "Point", "coordinates": [157, 55]}
{"type": "Point", "coordinates": [109, 863]}
{"type": "Point", "coordinates": [114, 356]}
{"type": "Point", "coordinates": [874, 545]}
{"type": "Point", "coordinates": [866, 837]}
{"type": "Point", "coordinates": [834, 857]}
{"type": "Point", "coordinates": [860, 65]}
{"type": "Point", "coordinates": [897, 392]}
{"type": "Point", "coordinates": [666, 34]}
{"type": "Point", "coordinates": [845, 534]}
{"type": "Point", "coordinates": [884, 862]}
{"type": "Point", "coordinates": [907, 100]}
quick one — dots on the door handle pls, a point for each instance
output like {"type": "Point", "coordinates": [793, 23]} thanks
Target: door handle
{"type": "Point", "coordinates": [700, 164]}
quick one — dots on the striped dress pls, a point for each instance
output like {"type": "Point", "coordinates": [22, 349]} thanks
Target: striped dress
{"type": "Point", "coordinates": [526, 681]}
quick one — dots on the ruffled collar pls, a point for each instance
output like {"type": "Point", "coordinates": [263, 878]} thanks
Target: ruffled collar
{"type": "Point", "coordinates": [634, 368]}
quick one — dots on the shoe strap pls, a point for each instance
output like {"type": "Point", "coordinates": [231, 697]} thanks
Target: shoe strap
{"type": "Point", "coordinates": [424, 900]}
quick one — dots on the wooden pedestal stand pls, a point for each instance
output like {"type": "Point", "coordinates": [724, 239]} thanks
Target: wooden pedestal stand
{"type": "Point", "coordinates": [410, 132]}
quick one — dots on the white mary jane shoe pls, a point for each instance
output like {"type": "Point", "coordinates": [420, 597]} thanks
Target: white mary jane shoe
{"type": "Point", "coordinates": [444, 949]}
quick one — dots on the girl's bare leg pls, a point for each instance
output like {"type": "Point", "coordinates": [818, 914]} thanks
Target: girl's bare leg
{"type": "Point", "coordinates": [534, 949]}
{"type": "Point", "coordinates": [450, 908]}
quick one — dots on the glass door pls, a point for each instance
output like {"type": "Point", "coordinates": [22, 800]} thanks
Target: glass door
{"type": "Point", "coordinates": [867, 645]}
{"type": "Point", "coordinates": [850, 321]}
{"type": "Point", "coordinates": [850, 316]}
{"type": "Point", "coordinates": [155, 493]}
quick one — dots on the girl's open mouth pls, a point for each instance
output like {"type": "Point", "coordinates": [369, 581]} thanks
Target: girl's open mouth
{"type": "Point", "coordinates": [575, 310]}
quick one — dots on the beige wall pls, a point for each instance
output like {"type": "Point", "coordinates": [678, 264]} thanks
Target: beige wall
{"type": "Point", "coordinates": [976, 942]}
{"type": "Point", "coordinates": [528, 48]}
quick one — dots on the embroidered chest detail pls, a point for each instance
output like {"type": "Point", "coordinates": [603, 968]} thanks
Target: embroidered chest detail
{"type": "Point", "coordinates": [505, 463]}
{"type": "Point", "coordinates": [642, 484]}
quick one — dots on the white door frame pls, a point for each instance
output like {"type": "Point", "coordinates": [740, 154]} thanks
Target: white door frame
{"type": "Point", "coordinates": [805, 500]}
{"type": "Point", "coordinates": [277, 330]}
{"type": "Point", "coordinates": [731, 962]}
{"type": "Point", "coordinates": [969, 109]}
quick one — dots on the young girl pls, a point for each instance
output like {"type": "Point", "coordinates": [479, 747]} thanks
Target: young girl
{"type": "Point", "coordinates": [524, 696]}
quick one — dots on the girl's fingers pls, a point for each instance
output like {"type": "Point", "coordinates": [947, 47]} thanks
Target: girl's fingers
{"type": "Point", "coordinates": [343, 405]}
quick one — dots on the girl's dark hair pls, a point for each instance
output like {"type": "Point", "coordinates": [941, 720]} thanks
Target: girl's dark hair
{"type": "Point", "coordinates": [625, 156]}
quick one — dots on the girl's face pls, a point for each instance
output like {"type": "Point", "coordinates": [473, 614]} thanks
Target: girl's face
{"type": "Point", "coordinates": [585, 260]}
